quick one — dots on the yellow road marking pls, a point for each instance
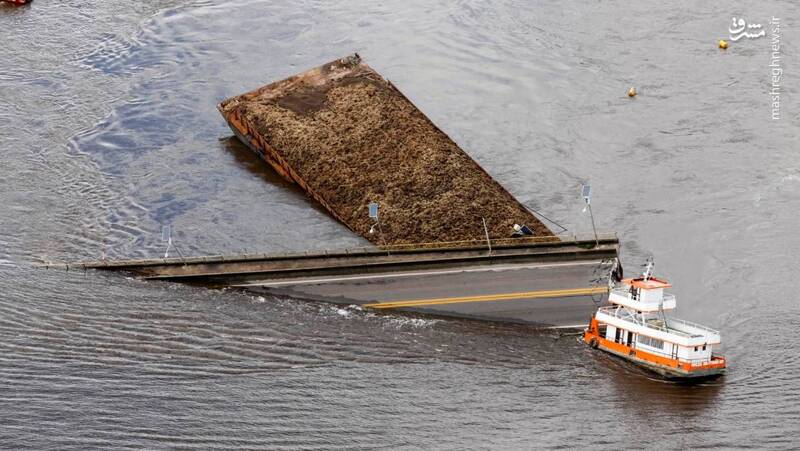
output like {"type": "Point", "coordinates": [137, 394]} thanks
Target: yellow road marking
{"type": "Point", "coordinates": [490, 297]}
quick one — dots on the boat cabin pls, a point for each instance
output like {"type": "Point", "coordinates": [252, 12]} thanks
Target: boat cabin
{"type": "Point", "coordinates": [636, 327]}
{"type": "Point", "coordinates": [644, 295]}
{"type": "Point", "coordinates": [677, 339]}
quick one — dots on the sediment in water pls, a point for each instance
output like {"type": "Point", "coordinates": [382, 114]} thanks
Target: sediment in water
{"type": "Point", "coordinates": [349, 137]}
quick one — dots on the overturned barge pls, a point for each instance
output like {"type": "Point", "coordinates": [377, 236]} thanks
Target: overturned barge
{"type": "Point", "coordinates": [348, 137]}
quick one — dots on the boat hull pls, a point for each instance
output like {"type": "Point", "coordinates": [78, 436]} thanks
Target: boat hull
{"type": "Point", "coordinates": [668, 372]}
{"type": "Point", "coordinates": [667, 368]}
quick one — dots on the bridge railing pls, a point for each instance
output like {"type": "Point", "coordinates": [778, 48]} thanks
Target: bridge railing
{"type": "Point", "coordinates": [584, 240]}
{"type": "Point", "coordinates": [500, 242]}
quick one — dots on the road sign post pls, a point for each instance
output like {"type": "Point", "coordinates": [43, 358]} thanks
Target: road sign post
{"type": "Point", "coordinates": [486, 231]}
{"type": "Point", "coordinates": [373, 213]}
{"type": "Point", "coordinates": [166, 236]}
{"type": "Point", "coordinates": [586, 193]}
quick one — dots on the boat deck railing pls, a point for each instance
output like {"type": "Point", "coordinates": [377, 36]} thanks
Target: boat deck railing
{"type": "Point", "coordinates": [625, 292]}
{"type": "Point", "coordinates": [655, 323]}
{"type": "Point", "coordinates": [705, 361]}
{"type": "Point", "coordinates": [694, 325]}
{"type": "Point", "coordinates": [622, 291]}
{"type": "Point", "coordinates": [693, 362]}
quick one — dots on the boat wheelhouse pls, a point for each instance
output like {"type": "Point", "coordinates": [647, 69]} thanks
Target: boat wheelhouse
{"type": "Point", "coordinates": [635, 327]}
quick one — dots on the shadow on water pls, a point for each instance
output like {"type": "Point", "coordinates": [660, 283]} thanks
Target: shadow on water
{"type": "Point", "coordinates": [648, 394]}
{"type": "Point", "coordinates": [246, 159]}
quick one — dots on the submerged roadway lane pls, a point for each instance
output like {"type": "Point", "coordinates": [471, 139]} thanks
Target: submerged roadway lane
{"type": "Point", "coordinates": [563, 294]}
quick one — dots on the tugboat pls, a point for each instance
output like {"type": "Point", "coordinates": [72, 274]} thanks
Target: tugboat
{"type": "Point", "coordinates": [636, 328]}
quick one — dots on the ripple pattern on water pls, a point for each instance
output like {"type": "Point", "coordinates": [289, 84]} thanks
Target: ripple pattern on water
{"type": "Point", "coordinates": [109, 131]}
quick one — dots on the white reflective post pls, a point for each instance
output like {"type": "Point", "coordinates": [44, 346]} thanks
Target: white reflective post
{"type": "Point", "coordinates": [166, 236]}
{"type": "Point", "coordinates": [373, 213]}
{"type": "Point", "coordinates": [586, 193]}
{"type": "Point", "coordinates": [373, 210]}
{"type": "Point", "coordinates": [486, 231]}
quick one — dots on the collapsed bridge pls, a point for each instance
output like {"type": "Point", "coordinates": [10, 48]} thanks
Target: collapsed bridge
{"type": "Point", "coordinates": [348, 138]}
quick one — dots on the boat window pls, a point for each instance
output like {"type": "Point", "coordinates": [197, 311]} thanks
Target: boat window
{"type": "Point", "coordinates": [704, 347]}
{"type": "Point", "coordinates": [650, 341]}
{"type": "Point", "coordinates": [695, 349]}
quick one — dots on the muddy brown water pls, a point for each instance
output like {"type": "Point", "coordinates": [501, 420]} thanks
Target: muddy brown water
{"type": "Point", "coordinates": [109, 129]}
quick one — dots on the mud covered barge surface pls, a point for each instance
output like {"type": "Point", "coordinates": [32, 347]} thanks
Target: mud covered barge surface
{"type": "Point", "coordinates": [349, 137]}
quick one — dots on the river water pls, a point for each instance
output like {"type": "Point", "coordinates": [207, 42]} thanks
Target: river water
{"type": "Point", "coordinates": [109, 130]}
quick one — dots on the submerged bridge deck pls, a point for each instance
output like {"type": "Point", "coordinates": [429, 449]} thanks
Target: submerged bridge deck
{"type": "Point", "coordinates": [545, 281]}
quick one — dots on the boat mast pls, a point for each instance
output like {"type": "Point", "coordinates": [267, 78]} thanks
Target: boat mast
{"type": "Point", "coordinates": [648, 273]}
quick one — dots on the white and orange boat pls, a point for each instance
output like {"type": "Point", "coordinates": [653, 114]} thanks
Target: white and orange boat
{"type": "Point", "coordinates": [636, 328]}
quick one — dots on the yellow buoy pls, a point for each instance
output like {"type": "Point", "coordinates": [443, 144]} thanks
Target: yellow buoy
{"type": "Point", "coordinates": [723, 44]}
{"type": "Point", "coordinates": [632, 92]}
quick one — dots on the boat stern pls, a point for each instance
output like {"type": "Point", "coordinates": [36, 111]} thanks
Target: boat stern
{"type": "Point", "coordinates": [591, 335]}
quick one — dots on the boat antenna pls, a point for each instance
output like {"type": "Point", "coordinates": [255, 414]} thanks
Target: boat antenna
{"type": "Point", "coordinates": [648, 273]}
{"type": "Point", "coordinates": [648, 270]}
